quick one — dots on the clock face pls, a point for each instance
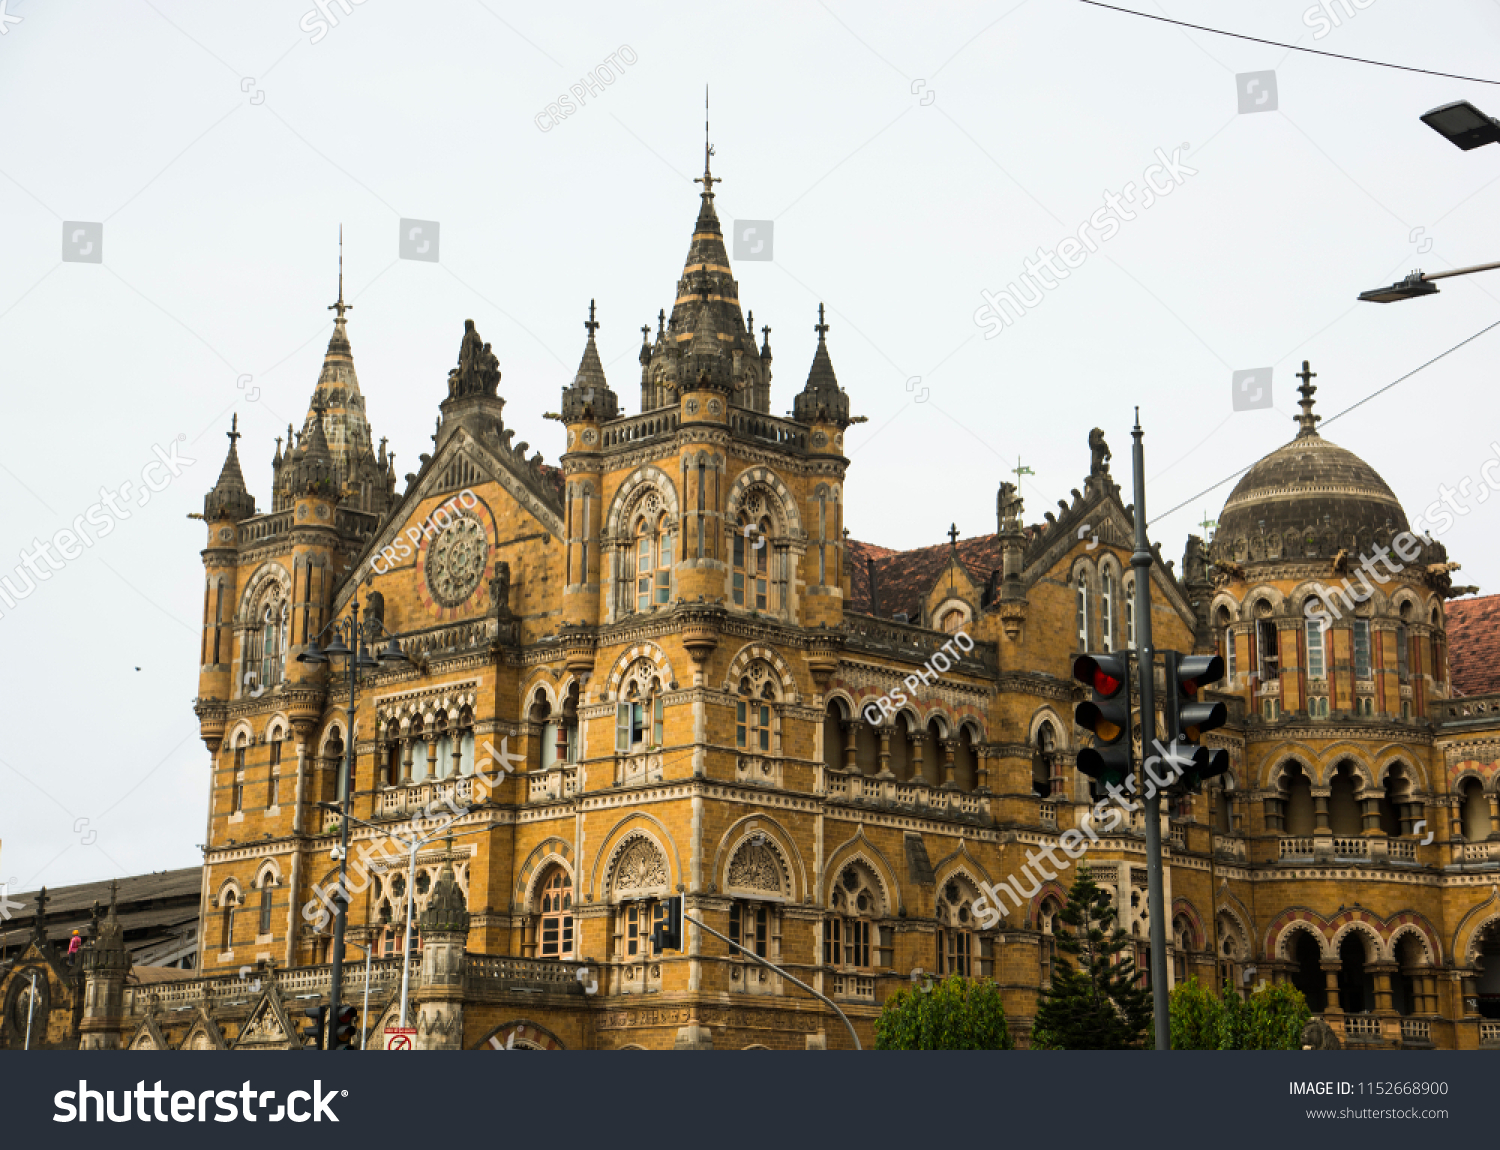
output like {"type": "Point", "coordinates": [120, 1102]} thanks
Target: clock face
{"type": "Point", "coordinates": [456, 561]}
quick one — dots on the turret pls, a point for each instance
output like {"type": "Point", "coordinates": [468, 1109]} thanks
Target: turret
{"type": "Point", "coordinates": [587, 403]}
{"type": "Point", "coordinates": [440, 986]}
{"type": "Point", "coordinates": [105, 965]}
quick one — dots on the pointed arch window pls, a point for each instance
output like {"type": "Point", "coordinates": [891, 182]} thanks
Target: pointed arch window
{"type": "Point", "coordinates": [956, 942]}
{"type": "Point", "coordinates": [555, 933]}
{"type": "Point", "coordinates": [639, 718]}
{"type": "Point", "coordinates": [265, 905]}
{"type": "Point", "coordinates": [1107, 609]}
{"type": "Point", "coordinates": [237, 784]}
{"type": "Point", "coordinates": [230, 903]}
{"type": "Point", "coordinates": [752, 582]}
{"type": "Point", "coordinates": [1081, 593]}
{"type": "Point", "coordinates": [273, 624]}
{"type": "Point", "coordinates": [851, 936]}
{"type": "Point", "coordinates": [653, 563]}
{"type": "Point", "coordinates": [755, 717]}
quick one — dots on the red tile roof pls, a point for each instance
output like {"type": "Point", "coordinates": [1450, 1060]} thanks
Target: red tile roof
{"type": "Point", "coordinates": [1474, 645]}
{"type": "Point", "coordinates": [903, 578]}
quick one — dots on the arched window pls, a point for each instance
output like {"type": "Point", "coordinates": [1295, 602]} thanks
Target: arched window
{"type": "Point", "coordinates": [1476, 811]}
{"type": "Point", "coordinates": [466, 741]}
{"type": "Point", "coordinates": [273, 623]}
{"type": "Point", "coordinates": [1043, 762]}
{"type": "Point", "coordinates": [1307, 976]}
{"type": "Point", "coordinates": [1316, 663]}
{"type": "Point", "coordinates": [1130, 614]}
{"type": "Point", "coordinates": [1107, 609]}
{"type": "Point", "coordinates": [335, 756]}
{"type": "Point", "coordinates": [273, 772]}
{"type": "Point", "coordinates": [750, 926]}
{"type": "Point", "coordinates": [835, 739]}
{"type": "Point", "coordinates": [653, 563]}
{"type": "Point", "coordinates": [1082, 595]}
{"type": "Point", "coordinates": [952, 621]}
{"type": "Point", "coordinates": [751, 579]}
{"type": "Point", "coordinates": [417, 748]}
{"type": "Point", "coordinates": [755, 717]}
{"type": "Point", "coordinates": [639, 718]}
{"type": "Point", "coordinates": [265, 904]}
{"type": "Point", "coordinates": [229, 903]}
{"type": "Point", "coordinates": [237, 784]}
{"type": "Point", "coordinates": [1344, 801]}
{"type": "Point", "coordinates": [443, 764]}
{"type": "Point", "coordinates": [901, 729]}
{"type": "Point", "coordinates": [1297, 788]}
{"type": "Point", "coordinates": [851, 937]}
{"type": "Point", "coordinates": [966, 761]}
{"type": "Point", "coordinates": [1182, 942]}
{"type": "Point", "coordinates": [957, 949]}
{"type": "Point", "coordinates": [555, 931]}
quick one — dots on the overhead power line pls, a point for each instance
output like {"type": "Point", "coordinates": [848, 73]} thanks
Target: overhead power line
{"type": "Point", "coordinates": [1289, 47]}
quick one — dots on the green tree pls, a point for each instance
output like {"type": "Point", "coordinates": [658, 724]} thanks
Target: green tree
{"type": "Point", "coordinates": [1095, 1005]}
{"type": "Point", "coordinates": [1272, 1018]}
{"type": "Point", "coordinates": [955, 1014]}
{"type": "Point", "coordinates": [1197, 1017]}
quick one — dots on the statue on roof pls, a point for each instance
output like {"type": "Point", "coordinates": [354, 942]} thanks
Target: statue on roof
{"type": "Point", "coordinates": [1194, 561]}
{"type": "Point", "coordinates": [1099, 464]}
{"type": "Point", "coordinates": [1008, 504]}
{"type": "Point", "coordinates": [478, 370]}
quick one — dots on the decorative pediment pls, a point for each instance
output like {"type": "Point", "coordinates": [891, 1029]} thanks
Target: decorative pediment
{"type": "Point", "coordinates": [757, 866]}
{"type": "Point", "coordinates": [639, 868]}
{"type": "Point", "coordinates": [204, 1034]}
{"type": "Point", "coordinates": [148, 1036]}
{"type": "Point", "coordinates": [268, 1027]}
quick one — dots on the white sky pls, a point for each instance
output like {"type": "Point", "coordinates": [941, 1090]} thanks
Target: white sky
{"type": "Point", "coordinates": [221, 218]}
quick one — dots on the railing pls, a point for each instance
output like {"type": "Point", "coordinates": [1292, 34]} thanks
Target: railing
{"type": "Point", "coordinates": [854, 986]}
{"type": "Point", "coordinates": [662, 421]}
{"type": "Point", "coordinates": [1231, 847]}
{"type": "Point", "coordinates": [1476, 852]}
{"type": "Point", "coordinates": [1416, 1030]}
{"type": "Point", "coordinates": [1295, 848]}
{"type": "Point", "coordinates": [911, 794]}
{"type": "Point", "coordinates": [872, 633]}
{"type": "Point", "coordinates": [215, 989]}
{"type": "Point", "coordinates": [768, 427]}
{"type": "Point", "coordinates": [1179, 837]}
{"type": "Point", "coordinates": [1350, 848]}
{"type": "Point", "coordinates": [1361, 1026]}
{"type": "Point", "coordinates": [266, 526]}
{"type": "Point", "coordinates": [549, 973]}
{"type": "Point", "coordinates": [1489, 1033]}
{"type": "Point", "coordinates": [554, 783]}
{"type": "Point", "coordinates": [1403, 850]}
{"type": "Point", "coordinates": [418, 796]}
{"type": "Point", "coordinates": [1472, 707]}
{"type": "Point", "coordinates": [1049, 814]}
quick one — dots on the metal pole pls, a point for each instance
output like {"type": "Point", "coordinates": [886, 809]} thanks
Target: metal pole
{"type": "Point", "coordinates": [794, 981]}
{"type": "Point", "coordinates": [411, 878]}
{"type": "Point", "coordinates": [30, 1010]}
{"type": "Point", "coordinates": [1141, 562]}
{"type": "Point", "coordinates": [341, 921]}
{"type": "Point", "coordinates": [364, 1014]}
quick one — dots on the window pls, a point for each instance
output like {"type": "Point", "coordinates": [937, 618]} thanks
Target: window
{"type": "Point", "coordinates": [1317, 707]}
{"type": "Point", "coordinates": [226, 941]}
{"type": "Point", "coordinates": [749, 926]}
{"type": "Point", "coordinates": [272, 643]}
{"type": "Point", "coordinates": [273, 785]}
{"type": "Point", "coordinates": [653, 563]}
{"type": "Point", "coordinates": [1107, 609]}
{"type": "Point", "coordinates": [631, 717]}
{"type": "Point", "coordinates": [1403, 653]}
{"type": "Point", "coordinates": [640, 921]}
{"type": "Point", "coordinates": [752, 726]}
{"type": "Point", "coordinates": [1130, 613]}
{"type": "Point", "coordinates": [1229, 652]}
{"type": "Point", "coordinates": [955, 937]}
{"type": "Point", "coordinates": [1361, 648]}
{"type": "Point", "coordinates": [1083, 611]}
{"type": "Point", "coordinates": [751, 564]}
{"type": "Point", "coordinates": [1315, 663]}
{"type": "Point", "coordinates": [1271, 709]}
{"type": "Point", "coordinates": [1270, 661]}
{"type": "Point", "coordinates": [856, 902]}
{"type": "Point", "coordinates": [237, 784]}
{"type": "Point", "coordinates": [952, 620]}
{"type": "Point", "coordinates": [556, 930]}
{"type": "Point", "coordinates": [265, 905]}
{"type": "Point", "coordinates": [955, 952]}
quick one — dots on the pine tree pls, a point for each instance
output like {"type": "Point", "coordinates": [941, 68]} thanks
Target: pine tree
{"type": "Point", "coordinates": [1095, 1005]}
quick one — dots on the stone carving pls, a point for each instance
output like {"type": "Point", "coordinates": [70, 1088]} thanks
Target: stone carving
{"type": "Point", "coordinates": [756, 867]}
{"type": "Point", "coordinates": [500, 589]}
{"type": "Point", "coordinates": [478, 370]}
{"type": "Point", "coordinates": [1194, 561]}
{"type": "Point", "coordinates": [640, 867]}
{"type": "Point", "coordinates": [1318, 1035]}
{"type": "Point", "coordinates": [456, 561]}
{"type": "Point", "coordinates": [1099, 464]}
{"type": "Point", "coordinates": [1009, 504]}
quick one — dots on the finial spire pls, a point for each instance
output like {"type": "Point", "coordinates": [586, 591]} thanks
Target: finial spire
{"type": "Point", "coordinates": [661, 323]}
{"type": "Point", "coordinates": [340, 306]}
{"type": "Point", "coordinates": [1307, 421]}
{"type": "Point", "coordinates": [708, 179]}
{"type": "Point", "coordinates": [953, 536]}
{"type": "Point", "coordinates": [234, 429]}
{"type": "Point", "coordinates": [820, 327]}
{"type": "Point", "coordinates": [591, 324]}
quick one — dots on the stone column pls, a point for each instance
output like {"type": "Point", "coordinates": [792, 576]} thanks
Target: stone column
{"type": "Point", "coordinates": [884, 757]}
{"type": "Point", "coordinates": [1331, 977]}
{"type": "Point", "coordinates": [406, 753]}
{"type": "Point", "coordinates": [1370, 816]}
{"type": "Point", "coordinates": [851, 736]}
{"type": "Point", "coordinates": [1382, 972]}
{"type": "Point", "coordinates": [1320, 811]}
{"type": "Point", "coordinates": [949, 746]}
{"type": "Point", "coordinates": [440, 983]}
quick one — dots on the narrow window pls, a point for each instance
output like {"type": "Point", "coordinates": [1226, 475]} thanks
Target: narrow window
{"type": "Point", "coordinates": [739, 563]}
{"type": "Point", "coordinates": [1130, 615]}
{"type": "Point", "coordinates": [644, 566]}
{"type": "Point", "coordinates": [1315, 662]}
{"type": "Point", "coordinates": [1083, 612]}
{"type": "Point", "coordinates": [1361, 648]}
{"type": "Point", "coordinates": [1107, 608]}
{"type": "Point", "coordinates": [265, 905]}
{"type": "Point", "coordinates": [1403, 651]}
{"type": "Point", "coordinates": [833, 949]}
{"type": "Point", "coordinates": [226, 942]}
{"type": "Point", "coordinates": [556, 930]}
{"type": "Point", "coordinates": [1269, 650]}
{"type": "Point", "coordinates": [663, 562]}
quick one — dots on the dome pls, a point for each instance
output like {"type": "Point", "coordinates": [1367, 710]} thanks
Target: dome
{"type": "Point", "coordinates": [1310, 497]}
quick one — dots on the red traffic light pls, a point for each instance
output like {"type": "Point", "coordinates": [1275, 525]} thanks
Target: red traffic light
{"type": "Point", "coordinates": [1104, 674]}
{"type": "Point", "coordinates": [1195, 672]}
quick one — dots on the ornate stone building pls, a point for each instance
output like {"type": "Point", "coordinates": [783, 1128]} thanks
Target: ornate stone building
{"type": "Point", "coordinates": [826, 746]}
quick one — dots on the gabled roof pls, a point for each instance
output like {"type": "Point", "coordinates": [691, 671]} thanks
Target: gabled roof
{"type": "Point", "coordinates": [1474, 645]}
{"type": "Point", "coordinates": [903, 579]}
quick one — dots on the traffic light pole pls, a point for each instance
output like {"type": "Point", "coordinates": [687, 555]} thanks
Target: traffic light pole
{"type": "Point", "coordinates": [1141, 562]}
{"type": "Point", "coordinates": [772, 966]}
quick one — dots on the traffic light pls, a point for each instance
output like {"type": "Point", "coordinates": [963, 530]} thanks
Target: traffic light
{"type": "Point", "coordinates": [668, 932]}
{"type": "Point", "coordinates": [1188, 719]}
{"type": "Point", "coordinates": [345, 1029]}
{"type": "Point", "coordinates": [1107, 715]}
{"type": "Point", "coordinates": [312, 1034]}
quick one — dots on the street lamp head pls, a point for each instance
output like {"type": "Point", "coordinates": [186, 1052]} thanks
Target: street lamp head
{"type": "Point", "coordinates": [336, 649]}
{"type": "Point", "coordinates": [1463, 125]}
{"type": "Point", "coordinates": [313, 655]}
{"type": "Point", "coordinates": [392, 654]}
{"type": "Point", "coordinates": [1409, 288]}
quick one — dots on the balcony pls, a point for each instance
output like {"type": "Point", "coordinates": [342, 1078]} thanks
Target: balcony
{"type": "Point", "coordinates": [560, 782]}
{"type": "Point", "coordinates": [911, 641]}
{"type": "Point", "coordinates": [1230, 847]}
{"type": "Point", "coordinates": [1478, 853]}
{"type": "Point", "coordinates": [912, 797]}
{"type": "Point", "coordinates": [1402, 850]}
{"type": "Point", "coordinates": [1298, 849]}
{"type": "Point", "coordinates": [782, 432]}
{"type": "Point", "coordinates": [404, 800]}
{"type": "Point", "coordinates": [1361, 1027]}
{"type": "Point", "coordinates": [1470, 709]}
{"type": "Point", "coordinates": [638, 428]}
{"type": "Point", "coordinates": [1416, 1030]}
{"type": "Point", "coordinates": [492, 975]}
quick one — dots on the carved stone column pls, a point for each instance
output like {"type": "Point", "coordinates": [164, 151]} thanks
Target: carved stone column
{"type": "Point", "coordinates": [1331, 976]}
{"type": "Point", "coordinates": [949, 747]}
{"type": "Point", "coordinates": [406, 754]}
{"type": "Point", "coordinates": [885, 755]}
{"type": "Point", "coordinates": [851, 739]}
{"type": "Point", "coordinates": [1382, 972]}
{"type": "Point", "coordinates": [1320, 811]}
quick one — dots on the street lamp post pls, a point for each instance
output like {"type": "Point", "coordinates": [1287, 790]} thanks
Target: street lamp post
{"type": "Point", "coordinates": [350, 642]}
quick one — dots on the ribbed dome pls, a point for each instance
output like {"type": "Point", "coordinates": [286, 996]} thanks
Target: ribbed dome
{"type": "Point", "coordinates": [1307, 498]}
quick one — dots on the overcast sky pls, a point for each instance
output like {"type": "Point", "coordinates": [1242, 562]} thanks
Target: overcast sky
{"type": "Point", "coordinates": [909, 158]}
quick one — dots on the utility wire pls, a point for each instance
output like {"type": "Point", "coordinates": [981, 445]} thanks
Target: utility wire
{"type": "Point", "coordinates": [1331, 418]}
{"type": "Point", "coordinates": [1289, 47]}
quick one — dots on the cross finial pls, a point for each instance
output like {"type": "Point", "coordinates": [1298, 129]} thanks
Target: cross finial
{"type": "Point", "coordinates": [645, 333]}
{"type": "Point", "coordinates": [707, 179]}
{"type": "Point", "coordinates": [1307, 420]}
{"type": "Point", "coordinates": [591, 323]}
{"type": "Point", "coordinates": [1019, 471]}
{"type": "Point", "coordinates": [661, 322]}
{"type": "Point", "coordinates": [1208, 524]}
{"type": "Point", "coordinates": [339, 305]}
{"type": "Point", "coordinates": [234, 429]}
{"type": "Point", "coordinates": [820, 327]}
{"type": "Point", "coordinates": [953, 535]}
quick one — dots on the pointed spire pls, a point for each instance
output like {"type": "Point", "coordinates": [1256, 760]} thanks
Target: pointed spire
{"type": "Point", "coordinates": [229, 498]}
{"type": "Point", "coordinates": [106, 951]}
{"type": "Point", "coordinates": [1307, 422]}
{"type": "Point", "coordinates": [822, 399]}
{"type": "Point", "coordinates": [589, 394]}
{"type": "Point", "coordinates": [445, 907]}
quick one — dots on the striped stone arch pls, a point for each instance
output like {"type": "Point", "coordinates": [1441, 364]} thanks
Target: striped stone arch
{"type": "Point", "coordinates": [548, 851]}
{"type": "Point", "coordinates": [627, 658]}
{"type": "Point", "coordinates": [748, 654]}
{"type": "Point", "coordinates": [1472, 926]}
{"type": "Point", "coordinates": [269, 574]}
{"type": "Point", "coordinates": [1230, 603]}
{"type": "Point", "coordinates": [1238, 921]}
{"type": "Point", "coordinates": [1410, 922]}
{"type": "Point", "coordinates": [780, 842]}
{"type": "Point", "coordinates": [641, 481]}
{"type": "Point", "coordinates": [1046, 713]}
{"type": "Point", "coordinates": [1181, 906]}
{"type": "Point", "coordinates": [633, 826]}
{"type": "Point", "coordinates": [519, 1034]}
{"type": "Point", "coordinates": [1034, 909]}
{"type": "Point", "coordinates": [1368, 927]}
{"type": "Point", "coordinates": [1273, 764]}
{"type": "Point", "coordinates": [1279, 933]}
{"type": "Point", "coordinates": [961, 860]}
{"type": "Point", "coordinates": [861, 849]}
{"type": "Point", "coordinates": [1345, 752]}
{"type": "Point", "coordinates": [783, 504]}
{"type": "Point", "coordinates": [1386, 758]}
